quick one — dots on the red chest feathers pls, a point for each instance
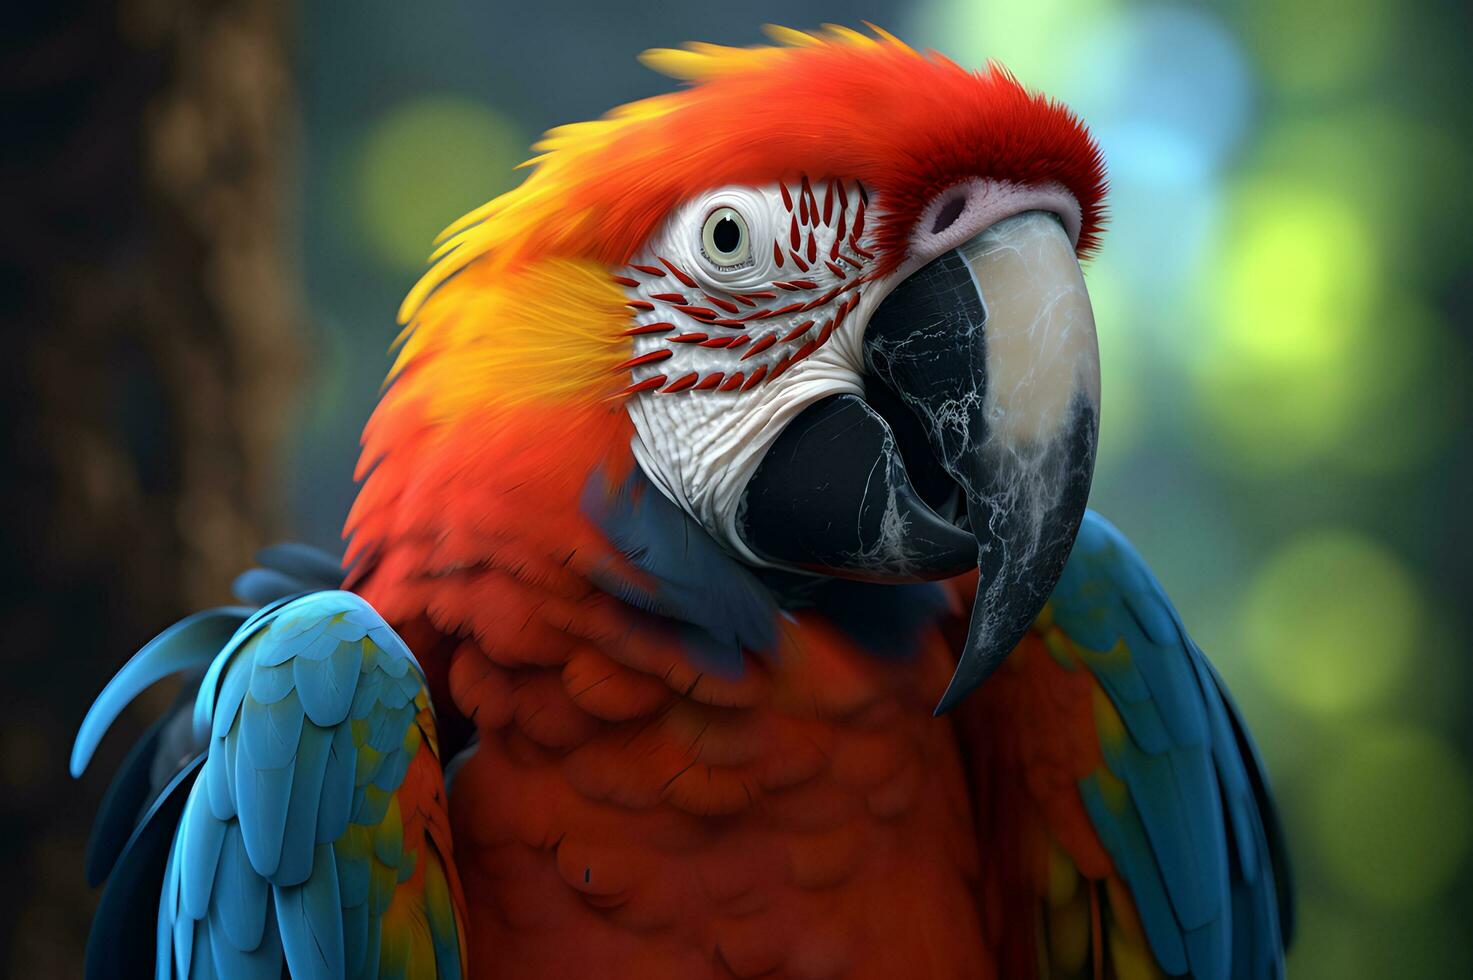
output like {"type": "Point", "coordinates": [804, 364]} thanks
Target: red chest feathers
{"type": "Point", "coordinates": [625, 815]}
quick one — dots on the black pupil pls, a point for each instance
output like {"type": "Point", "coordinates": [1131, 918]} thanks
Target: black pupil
{"type": "Point", "coordinates": [727, 236]}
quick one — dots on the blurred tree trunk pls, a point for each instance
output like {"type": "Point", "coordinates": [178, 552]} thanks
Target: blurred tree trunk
{"type": "Point", "coordinates": [150, 356]}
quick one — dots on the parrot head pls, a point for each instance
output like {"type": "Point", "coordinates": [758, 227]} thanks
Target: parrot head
{"type": "Point", "coordinates": [826, 298]}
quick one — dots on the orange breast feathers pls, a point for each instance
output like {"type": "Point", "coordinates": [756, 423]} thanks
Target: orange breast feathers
{"type": "Point", "coordinates": [626, 815]}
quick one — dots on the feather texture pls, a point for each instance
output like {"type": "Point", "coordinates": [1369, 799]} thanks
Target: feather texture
{"type": "Point", "coordinates": [1126, 764]}
{"type": "Point", "coordinates": [267, 868]}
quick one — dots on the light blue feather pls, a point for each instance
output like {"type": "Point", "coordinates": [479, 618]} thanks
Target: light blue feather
{"type": "Point", "coordinates": [271, 684]}
{"type": "Point", "coordinates": [337, 786]}
{"type": "Point", "coordinates": [269, 733]}
{"type": "Point", "coordinates": [201, 836]}
{"type": "Point", "coordinates": [299, 832]}
{"type": "Point", "coordinates": [326, 686]}
{"type": "Point", "coordinates": [251, 873]}
{"type": "Point", "coordinates": [241, 895]}
{"type": "Point", "coordinates": [311, 920]}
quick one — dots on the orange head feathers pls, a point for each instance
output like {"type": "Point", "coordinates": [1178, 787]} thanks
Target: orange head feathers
{"type": "Point", "coordinates": [520, 321]}
{"type": "Point", "coordinates": [840, 104]}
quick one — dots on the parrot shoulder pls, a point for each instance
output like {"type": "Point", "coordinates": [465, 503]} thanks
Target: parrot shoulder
{"type": "Point", "coordinates": [289, 810]}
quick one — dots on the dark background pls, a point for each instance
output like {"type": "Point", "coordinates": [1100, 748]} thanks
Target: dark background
{"type": "Point", "coordinates": [213, 209]}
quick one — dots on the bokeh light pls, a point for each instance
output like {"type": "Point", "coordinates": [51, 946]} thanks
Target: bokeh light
{"type": "Point", "coordinates": [425, 164]}
{"type": "Point", "coordinates": [1393, 169]}
{"type": "Point", "coordinates": [1331, 621]}
{"type": "Point", "coordinates": [1393, 814]}
{"type": "Point", "coordinates": [1314, 46]}
{"type": "Point", "coordinates": [1337, 939]}
{"type": "Point", "coordinates": [1289, 343]}
{"type": "Point", "coordinates": [1033, 40]}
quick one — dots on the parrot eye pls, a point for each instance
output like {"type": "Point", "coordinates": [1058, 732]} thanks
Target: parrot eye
{"type": "Point", "coordinates": [724, 238]}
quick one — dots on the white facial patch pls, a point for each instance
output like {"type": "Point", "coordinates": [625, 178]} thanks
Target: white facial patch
{"type": "Point", "coordinates": [729, 347]}
{"type": "Point", "coordinates": [727, 353]}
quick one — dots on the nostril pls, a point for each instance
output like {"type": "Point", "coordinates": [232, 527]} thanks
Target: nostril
{"type": "Point", "coordinates": [948, 214]}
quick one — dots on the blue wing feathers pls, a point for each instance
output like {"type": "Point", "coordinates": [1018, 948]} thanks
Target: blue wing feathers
{"type": "Point", "coordinates": [337, 786]}
{"type": "Point", "coordinates": [281, 847]}
{"type": "Point", "coordinates": [241, 897]}
{"type": "Point", "coordinates": [1272, 843]}
{"type": "Point", "coordinates": [1191, 839]}
{"type": "Point", "coordinates": [202, 836]}
{"type": "Point", "coordinates": [1125, 841]}
{"type": "Point", "coordinates": [310, 915]}
{"type": "Point", "coordinates": [262, 799]}
{"type": "Point", "coordinates": [270, 732]}
{"type": "Point", "coordinates": [326, 689]}
{"type": "Point", "coordinates": [299, 830]}
{"type": "Point", "coordinates": [191, 642]}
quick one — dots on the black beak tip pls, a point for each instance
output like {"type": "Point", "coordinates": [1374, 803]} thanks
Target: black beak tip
{"type": "Point", "coordinates": [972, 670]}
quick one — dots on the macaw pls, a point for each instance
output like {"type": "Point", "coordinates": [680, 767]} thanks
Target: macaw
{"type": "Point", "coordinates": [721, 598]}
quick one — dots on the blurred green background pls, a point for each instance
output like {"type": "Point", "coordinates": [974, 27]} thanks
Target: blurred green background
{"type": "Point", "coordinates": [1283, 300]}
{"type": "Point", "coordinates": [1283, 311]}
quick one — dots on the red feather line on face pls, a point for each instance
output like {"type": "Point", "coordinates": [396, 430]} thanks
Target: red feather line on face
{"type": "Point", "coordinates": [809, 219]}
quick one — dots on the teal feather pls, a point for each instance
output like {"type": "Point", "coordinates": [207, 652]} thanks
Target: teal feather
{"type": "Point", "coordinates": [299, 831]}
{"type": "Point", "coordinates": [337, 786]}
{"type": "Point", "coordinates": [271, 684]}
{"type": "Point", "coordinates": [205, 702]}
{"type": "Point", "coordinates": [371, 948]}
{"type": "Point", "coordinates": [233, 688]}
{"type": "Point", "coordinates": [163, 936]}
{"type": "Point", "coordinates": [1189, 840]}
{"type": "Point", "coordinates": [219, 793]}
{"type": "Point", "coordinates": [326, 686]}
{"type": "Point", "coordinates": [1124, 839]}
{"type": "Point", "coordinates": [264, 796]}
{"type": "Point", "coordinates": [355, 933]}
{"type": "Point", "coordinates": [269, 733]}
{"type": "Point", "coordinates": [202, 962]}
{"type": "Point", "coordinates": [201, 836]}
{"type": "Point", "coordinates": [354, 874]}
{"type": "Point", "coordinates": [241, 896]}
{"type": "Point", "coordinates": [311, 920]}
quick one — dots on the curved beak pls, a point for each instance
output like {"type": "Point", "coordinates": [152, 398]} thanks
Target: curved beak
{"type": "Point", "coordinates": [977, 446]}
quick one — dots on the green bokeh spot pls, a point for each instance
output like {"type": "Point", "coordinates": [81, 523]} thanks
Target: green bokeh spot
{"type": "Point", "coordinates": [1336, 940]}
{"type": "Point", "coordinates": [1314, 46]}
{"type": "Point", "coordinates": [423, 165]}
{"type": "Point", "coordinates": [1331, 622]}
{"type": "Point", "coordinates": [1032, 40]}
{"type": "Point", "coordinates": [1392, 815]}
{"type": "Point", "coordinates": [1288, 362]}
